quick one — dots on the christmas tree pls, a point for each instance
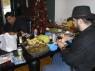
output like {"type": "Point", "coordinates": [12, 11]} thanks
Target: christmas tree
{"type": "Point", "coordinates": [39, 15]}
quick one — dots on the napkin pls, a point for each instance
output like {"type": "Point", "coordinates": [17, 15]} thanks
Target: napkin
{"type": "Point", "coordinates": [52, 47]}
{"type": "Point", "coordinates": [8, 42]}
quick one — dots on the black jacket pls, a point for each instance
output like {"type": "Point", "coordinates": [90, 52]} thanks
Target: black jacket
{"type": "Point", "coordinates": [81, 55]}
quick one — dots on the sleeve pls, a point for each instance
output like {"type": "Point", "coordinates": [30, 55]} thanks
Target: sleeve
{"type": "Point", "coordinates": [80, 50]}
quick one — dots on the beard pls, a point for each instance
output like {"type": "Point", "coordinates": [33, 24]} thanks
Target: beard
{"type": "Point", "coordinates": [77, 28]}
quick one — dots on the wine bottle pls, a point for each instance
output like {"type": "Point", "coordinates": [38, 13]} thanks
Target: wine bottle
{"type": "Point", "coordinates": [19, 39]}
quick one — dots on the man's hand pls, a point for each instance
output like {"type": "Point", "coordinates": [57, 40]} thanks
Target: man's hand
{"type": "Point", "coordinates": [62, 41]}
{"type": "Point", "coordinates": [66, 37]}
{"type": "Point", "coordinates": [61, 44]}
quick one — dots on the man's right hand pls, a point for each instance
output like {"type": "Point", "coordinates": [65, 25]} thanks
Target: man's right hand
{"type": "Point", "coordinates": [61, 44]}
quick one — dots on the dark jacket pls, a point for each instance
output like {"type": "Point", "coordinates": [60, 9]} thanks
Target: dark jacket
{"type": "Point", "coordinates": [20, 24]}
{"type": "Point", "coordinates": [82, 53]}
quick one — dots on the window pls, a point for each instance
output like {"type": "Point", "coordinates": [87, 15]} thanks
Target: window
{"type": "Point", "coordinates": [6, 6]}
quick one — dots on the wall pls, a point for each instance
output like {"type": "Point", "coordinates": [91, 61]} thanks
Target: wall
{"type": "Point", "coordinates": [63, 8]}
{"type": "Point", "coordinates": [60, 10]}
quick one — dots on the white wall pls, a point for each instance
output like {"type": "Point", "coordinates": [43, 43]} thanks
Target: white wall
{"type": "Point", "coordinates": [60, 8]}
{"type": "Point", "coordinates": [63, 8]}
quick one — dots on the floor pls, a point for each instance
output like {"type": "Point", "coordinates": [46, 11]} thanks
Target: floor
{"type": "Point", "coordinates": [43, 62]}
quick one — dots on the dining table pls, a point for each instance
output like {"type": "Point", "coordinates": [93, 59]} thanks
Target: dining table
{"type": "Point", "coordinates": [31, 59]}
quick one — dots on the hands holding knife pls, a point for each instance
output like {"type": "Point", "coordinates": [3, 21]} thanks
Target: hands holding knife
{"type": "Point", "coordinates": [61, 41]}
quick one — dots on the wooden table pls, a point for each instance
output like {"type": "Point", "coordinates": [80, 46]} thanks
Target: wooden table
{"type": "Point", "coordinates": [33, 63]}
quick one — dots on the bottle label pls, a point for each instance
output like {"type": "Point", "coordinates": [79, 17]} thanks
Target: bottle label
{"type": "Point", "coordinates": [20, 39]}
{"type": "Point", "coordinates": [19, 50]}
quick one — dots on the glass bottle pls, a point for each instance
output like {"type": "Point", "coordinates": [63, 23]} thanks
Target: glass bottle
{"type": "Point", "coordinates": [19, 39]}
{"type": "Point", "coordinates": [35, 32]}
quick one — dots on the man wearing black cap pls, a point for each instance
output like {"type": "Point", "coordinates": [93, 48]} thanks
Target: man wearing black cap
{"type": "Point", "coordinates": [81, 55]}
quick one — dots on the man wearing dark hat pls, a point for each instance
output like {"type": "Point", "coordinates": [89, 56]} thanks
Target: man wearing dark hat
{"type": "Point", "coordinates": [81, 55]}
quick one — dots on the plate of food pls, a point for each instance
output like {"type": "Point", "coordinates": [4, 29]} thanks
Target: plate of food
{"type": "Point", "coordinates": [37, 51]}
